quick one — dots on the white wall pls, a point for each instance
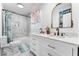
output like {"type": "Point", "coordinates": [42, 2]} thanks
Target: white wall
{"type": "Point", "coordinates": [75, 16]}
{"type": "Point", "coordinates": [28, 26]}
{"type": "Point", "coordinates": [19, 25]}
{"type": "Point", "coordinates": [0, 19]}
{"type": "Point", "coordinates": [36, 27]}
{"type": "Point", "coordinates": [46, 14]}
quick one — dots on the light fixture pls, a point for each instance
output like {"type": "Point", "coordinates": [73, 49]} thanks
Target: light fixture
{"type": "Point", "coordinates": [20, 5]}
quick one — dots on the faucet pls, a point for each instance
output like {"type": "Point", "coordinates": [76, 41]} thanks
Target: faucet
{"type": "Point", "coordinates": [57, 29]}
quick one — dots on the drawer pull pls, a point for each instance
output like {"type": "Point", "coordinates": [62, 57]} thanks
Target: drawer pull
{"type": "Point", "coordinates": [51, 47]}
{"type": "Point", "coordinates": [49, 54]}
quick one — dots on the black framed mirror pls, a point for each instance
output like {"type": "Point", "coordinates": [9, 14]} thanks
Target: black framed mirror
{"type": "Point", "coordinates": [62, 16]}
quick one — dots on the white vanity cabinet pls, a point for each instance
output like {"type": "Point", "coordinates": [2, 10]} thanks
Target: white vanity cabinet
{"type": "Point", "coordinates": [44, 46]}
{"type": "Point", "coordinates": [61, 48]}
{"type": "Point", "coordinates": [34, 44]}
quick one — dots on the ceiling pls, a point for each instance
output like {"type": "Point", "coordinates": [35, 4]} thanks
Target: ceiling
{"type": "Point", "coordinates": [28, 7]}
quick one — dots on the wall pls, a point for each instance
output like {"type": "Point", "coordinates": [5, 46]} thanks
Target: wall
{"type": "Point", "coordinates": [45, 17]}
{"type": "Point", "coordinates": [36, 22]}
{"type": "Point", "coordinates": [28, 26]}
{"type": "Point", "coordinates": [19, 25]}
{"type": "Point", "coordinates": [75, 16]}
{"type": "Point", "coordinates": [46, 14]}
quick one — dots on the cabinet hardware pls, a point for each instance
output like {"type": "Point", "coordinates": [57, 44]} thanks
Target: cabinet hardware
{"type": "Point", "coordinates": [51, 47]}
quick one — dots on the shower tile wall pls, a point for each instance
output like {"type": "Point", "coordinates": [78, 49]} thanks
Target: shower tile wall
{"type": "Point", "coordinates": [19, 26]}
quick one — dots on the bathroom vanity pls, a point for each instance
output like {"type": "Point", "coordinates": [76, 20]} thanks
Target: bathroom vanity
{"type": "Point", "coordinates": [46, 45]}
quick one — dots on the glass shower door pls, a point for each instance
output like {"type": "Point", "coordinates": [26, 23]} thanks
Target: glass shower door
{"type": "Point", "coordinates": [7, 30]}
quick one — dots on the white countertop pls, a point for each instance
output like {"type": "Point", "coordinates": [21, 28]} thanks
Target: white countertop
{"type": "Point", "coordinates": [72, 40]}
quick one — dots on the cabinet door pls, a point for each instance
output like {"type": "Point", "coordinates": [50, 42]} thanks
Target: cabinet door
{"type": "Point", "coordinates": [35, 40]}
{"type": "Point", "coordinates": [61, 48]}
{"type": "Point", "coordinates": [53, 53]}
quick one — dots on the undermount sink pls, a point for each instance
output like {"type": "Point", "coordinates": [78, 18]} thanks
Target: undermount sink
{"type": "Point", "coordinates": [60, 36]}
{"type": "Point", "coordinates": [50, 35]}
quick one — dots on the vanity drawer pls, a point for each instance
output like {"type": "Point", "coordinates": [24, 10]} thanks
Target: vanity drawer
{"type": "Point", "coordinates": [53, 53]}
{"type": "Point", "coordinates": [62, 48]}
{"type": "Point", "coordinates": [47, 51]}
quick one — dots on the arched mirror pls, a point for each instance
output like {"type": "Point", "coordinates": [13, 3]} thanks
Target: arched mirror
{"type": "Point", "coordinates": [62, 16]}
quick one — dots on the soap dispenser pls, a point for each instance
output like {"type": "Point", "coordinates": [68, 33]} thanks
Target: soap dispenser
{"type": "Point", "coordinates": [47, 30]}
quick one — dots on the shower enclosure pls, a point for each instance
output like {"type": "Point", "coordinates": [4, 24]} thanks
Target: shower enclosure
{"type": "Point", "coordinates": [6, 25]}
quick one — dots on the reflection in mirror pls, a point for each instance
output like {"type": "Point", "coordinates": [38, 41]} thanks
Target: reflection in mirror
{"type": "Point", "coordinates": [60, 20]}
{"type": "Point", "coordinates": [62, 16]}
{"type": "Point", "coordinates": [65, 18]}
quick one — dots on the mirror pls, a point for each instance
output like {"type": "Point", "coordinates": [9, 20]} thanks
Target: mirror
{"type": "Point", "coordinates": [62, 16]}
